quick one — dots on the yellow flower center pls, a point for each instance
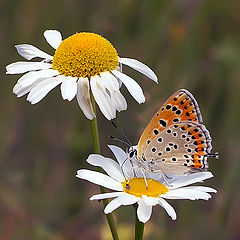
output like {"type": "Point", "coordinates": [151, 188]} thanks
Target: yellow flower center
{"type": "Point", "coordinates": [137, 187]}
{"type": "Point", "coordinates": [85, 55]}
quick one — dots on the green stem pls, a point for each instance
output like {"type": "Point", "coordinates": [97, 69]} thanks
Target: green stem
{"type": "Point", "coordinates": [139, 226]}
{"type": "Point", "coordinates": [96, 146]}
{"type": "Point", "coordinates": [95, 136]}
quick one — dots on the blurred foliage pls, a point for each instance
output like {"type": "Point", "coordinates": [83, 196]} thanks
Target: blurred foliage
{"type": "Point", "coordinates": [192, 44]}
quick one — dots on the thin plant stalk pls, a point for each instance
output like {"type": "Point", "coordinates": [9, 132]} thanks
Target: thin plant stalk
{"type": "Point", "coordinates": [96, 147]}
{"type": "Point", "coordinates": [139, 226]}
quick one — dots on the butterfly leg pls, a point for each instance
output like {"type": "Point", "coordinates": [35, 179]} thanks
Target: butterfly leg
{"type": "Point", "coordinates": [145, 180]}
{"type": "Point", "coordinates": [164, 178]}
{"type": "Point", "coordinates": [133, 168]}
{"type": "Point", "coordinates": [123, 171]}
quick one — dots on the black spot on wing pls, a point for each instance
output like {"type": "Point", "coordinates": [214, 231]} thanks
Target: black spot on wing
{"type": "Point", "coordinates": [163, 122]}
{"type": "Point", "coordinates": [168, 106]}
{"type": "Point", "coordinates": [155, 131]}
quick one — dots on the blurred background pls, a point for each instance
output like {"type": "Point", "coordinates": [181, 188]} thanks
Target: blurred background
{"type": "Point", "coordinates": [192, 44]}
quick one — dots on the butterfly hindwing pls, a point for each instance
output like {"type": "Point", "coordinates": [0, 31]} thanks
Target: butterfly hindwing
{"type": "Point", "coordinates": [180, 148]}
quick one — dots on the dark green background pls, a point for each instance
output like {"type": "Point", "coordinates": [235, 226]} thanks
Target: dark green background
{"type": "Point", "coordinates": [189, 44]}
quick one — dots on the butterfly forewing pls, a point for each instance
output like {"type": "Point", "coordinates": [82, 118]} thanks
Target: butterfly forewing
{"type": "Point", "coordinates": [175, 141]}
{"type": "Point", "coordinates": [181, 106]}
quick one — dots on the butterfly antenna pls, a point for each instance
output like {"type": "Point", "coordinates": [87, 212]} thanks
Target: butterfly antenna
{"type": "Point", "coordinates": [119, 140]}
{"type": "Point", "coordinates": [123, 134]}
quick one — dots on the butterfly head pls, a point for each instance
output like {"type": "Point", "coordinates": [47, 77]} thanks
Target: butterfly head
{"type": "Point", "coordinates": [132, 153]}
{"type": "Point", "coordinates": [140, 162]}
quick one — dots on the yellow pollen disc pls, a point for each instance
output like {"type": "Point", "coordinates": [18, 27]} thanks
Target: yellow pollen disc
{"type": "Point", "coordinates": [137, 187]}
{"type": "Point", "coordinates": [85, 55]}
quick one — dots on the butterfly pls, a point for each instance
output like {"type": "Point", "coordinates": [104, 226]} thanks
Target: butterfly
{"type": "Point", "coordinates": [175, 141]}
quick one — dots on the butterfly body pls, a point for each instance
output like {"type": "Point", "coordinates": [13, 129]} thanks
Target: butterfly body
{"type": "Point", "coordinates": [175, 141]}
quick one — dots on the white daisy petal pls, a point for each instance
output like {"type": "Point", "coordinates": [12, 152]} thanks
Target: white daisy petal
{"type": "Point", "coordinates": [183, 193]}
{"type": "Point", "coordinates": [110, 81]}
{"type": "Point", "coordinates": [112, 85]}
{"type": "Point", "coordinates": [20, 91]}
{"type": "Point", "coordinates": [144, 212]}
{"type": "Point", "coordinates": [121, 157]}
{"type": "Point", "coordinates": [132, 86]}
{"type": "Point", "coordinates": [202, 189]}
{"type": "Point", "coordinates": [40, 90]}
{"type": "Point", "coordinates": [108, 165]}
{"type": "Point", "coordinates": [53, 37]}
{"type": "Point", "coordinates": [22, 67]}
{"type": "Point", "coordinates": [127, 199]}
{"type": "Point", "coordinates": [150, 201]}
{"type": "Point", "coordinates": [190, 179]}
{"type": "Point", "coordinates": [69, 88]}
{"type": "Point", "coordinates": [30, 77]}
{"type": "Point", "coordinates": [100, 179]}
{"type": "Point", "coordinates": [169, 209]}
{"type": "Point", "coordinates": [29, 52]}
{"type": "Point", "coordinates": [114, 204]}
{"type": "Point", "coordinates": [118, 101]}
{"type": "Point", "coordinates": [102, 98]}
{"type": "Point", "coordinates": [83, 98]}
{"type": "Point", "coordinates": [105, 195]}
{"type": "Point", "coordinates": [140, 67]}
{"type": "Point", "coordinates": [26, 80]}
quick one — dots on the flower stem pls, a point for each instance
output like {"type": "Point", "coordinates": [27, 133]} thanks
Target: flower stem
{"type": "Point", "coordinates": [139, 226]}
{"type": "Point", "coordinates": [95, 136]}
{"type": "Point", "coordinates": [96, 147]}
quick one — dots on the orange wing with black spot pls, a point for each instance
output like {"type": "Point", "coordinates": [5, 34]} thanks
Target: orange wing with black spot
{"type": "Point", "coordinates": [178, 116]}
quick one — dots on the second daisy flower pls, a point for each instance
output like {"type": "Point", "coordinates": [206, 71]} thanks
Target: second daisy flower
{"type": "Point", "coordinates": [81, 62]}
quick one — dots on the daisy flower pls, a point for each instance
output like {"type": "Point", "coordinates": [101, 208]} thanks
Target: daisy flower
{"type": "Point", "coordinates": [81, 62]}
{"type": "Point", "coordinates": [133, 189]}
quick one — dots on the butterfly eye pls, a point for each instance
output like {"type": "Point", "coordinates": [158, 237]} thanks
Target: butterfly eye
{"type": "Point", "coordinates": [127, 186]}
{"type": "Point", "coordinates": [131, 154]}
